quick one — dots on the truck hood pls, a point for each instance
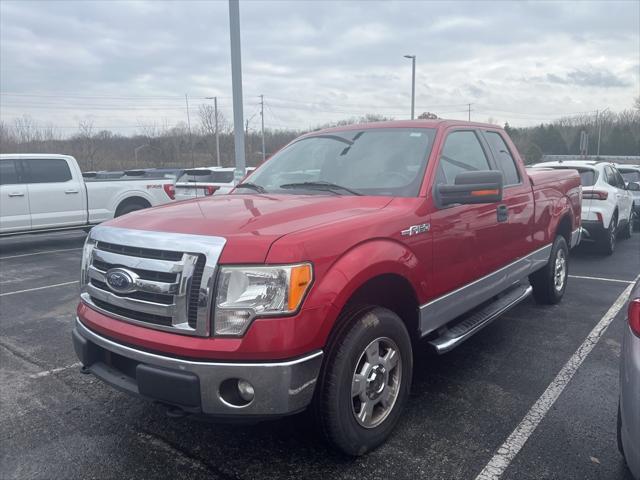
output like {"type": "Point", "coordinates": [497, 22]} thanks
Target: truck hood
{"type": "Point", "coordinates": [249, 223]}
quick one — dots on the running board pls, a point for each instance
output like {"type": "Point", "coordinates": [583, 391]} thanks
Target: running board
{"type": "Point", "coordinates": [466, 325]}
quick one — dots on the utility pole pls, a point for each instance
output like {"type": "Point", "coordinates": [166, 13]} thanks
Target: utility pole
{"type": "Point", "coordinates": [469, 111]}
{"type": "Point", "coordinates": [236, 81]}
{"type": "Point", "coordinates": [262, 118]}
{"type": "Point", "coordinates": [413, 84]}
{"type": "Point", "coordinates": [193, 161]}
{"type": "Point", "coordinates": [215, 113]}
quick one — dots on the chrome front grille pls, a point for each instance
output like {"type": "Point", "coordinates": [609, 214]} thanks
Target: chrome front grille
{"type": "Point", "coordinates": [169, 277]}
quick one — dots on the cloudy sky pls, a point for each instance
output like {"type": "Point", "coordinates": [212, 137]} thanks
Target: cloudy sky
{"type": "Point", "coordinates": [124, 65]}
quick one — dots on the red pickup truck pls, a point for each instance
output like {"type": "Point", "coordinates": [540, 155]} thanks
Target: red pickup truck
{"type": "Point", "coordinates": [313, 282]}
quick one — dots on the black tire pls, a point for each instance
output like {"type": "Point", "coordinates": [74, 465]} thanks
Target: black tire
{"type": "Point", "coordinates": [609, 237]}
{"type": "Point", "coordinates": [128, 208]}
{"type": "Point", "coordinates": [627, 231]}
{"type": "Point", "coordinates": [549, 283]}
{"type": "Point", "coordinates": [335, 405]}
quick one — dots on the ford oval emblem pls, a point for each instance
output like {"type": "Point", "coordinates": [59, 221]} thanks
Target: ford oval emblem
{"type": "Point", "coordinates": [121, 280]}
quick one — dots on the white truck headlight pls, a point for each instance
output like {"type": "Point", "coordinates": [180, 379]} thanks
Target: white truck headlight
{"type": "Point", "coordinates": [244, 293]}
{"type": "Point", "coordinates": [87, 250]}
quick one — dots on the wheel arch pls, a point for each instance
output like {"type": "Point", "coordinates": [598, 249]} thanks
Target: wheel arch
{"type": "Point", "coordinates": [133, 200]}
{"type": "Point", "coordinates": [379, 272]}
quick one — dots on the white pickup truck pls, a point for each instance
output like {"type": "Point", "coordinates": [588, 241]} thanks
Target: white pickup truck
{"type": "Point", "coordinates": [43, 192]}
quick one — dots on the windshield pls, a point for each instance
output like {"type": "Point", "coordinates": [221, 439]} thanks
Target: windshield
{"type": "Point", "coordinates": [382, 161]}
{"type": "Point", "coordinates": [631, 175]}
{"type": "Point", "coordinates": [222, 176]}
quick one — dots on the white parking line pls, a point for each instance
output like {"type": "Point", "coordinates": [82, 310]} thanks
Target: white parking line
{"type": "Point", "coordinates": [46, 373]}
{"type": "Point", "coordinates": [40, 253]}
{"type": "Point", "coordinates": [38, 288]}
{"type": "Point", "coordinates": [628, 282]}
{"type": "Point", "coordinates": [514, 443]}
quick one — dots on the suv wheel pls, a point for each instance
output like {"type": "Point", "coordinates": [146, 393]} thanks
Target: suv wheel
{"type": "Point", "coordinates": [365, 381]}
{"type": "Point", "coordinates": [550, 282]}
{"type": "Point", "coordinates": [628, 228]}
{"type": "Point", "coordinates": [608, 241]}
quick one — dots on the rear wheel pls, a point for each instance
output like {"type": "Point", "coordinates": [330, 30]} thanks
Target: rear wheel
{"type": "Point", "coordinates": [550, 282]}
{"type": "Point", "coordinates": [365, 381]}
{"type": "Point", "coordinates": [608, 240]}
{"type": "Point", "coordinates": [129, 207]}
{"type": "Point", "coordinates": [628, 228]}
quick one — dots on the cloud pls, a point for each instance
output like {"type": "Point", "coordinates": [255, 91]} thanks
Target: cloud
{"type": "Point", "coordinates": [316, 61]}
{"type": "Point", "coordinates": [589, 78]}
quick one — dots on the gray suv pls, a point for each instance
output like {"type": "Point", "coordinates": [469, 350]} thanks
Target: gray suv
{"type": "Point", "coordinates": [629, 407]}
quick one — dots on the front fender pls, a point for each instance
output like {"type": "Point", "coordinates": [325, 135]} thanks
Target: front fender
{"type": "Point", "coordinates": [354, 268]}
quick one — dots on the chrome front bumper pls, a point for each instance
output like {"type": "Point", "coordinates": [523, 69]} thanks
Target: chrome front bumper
{"type": "Point", "coordinates": [281, 388]}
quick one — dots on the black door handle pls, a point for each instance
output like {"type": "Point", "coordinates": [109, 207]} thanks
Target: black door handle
{"type": "Point", "coordinates": [503, 213]}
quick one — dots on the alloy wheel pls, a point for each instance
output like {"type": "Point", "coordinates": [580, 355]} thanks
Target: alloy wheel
{"type": "Point", "coordinates": [376, 382]}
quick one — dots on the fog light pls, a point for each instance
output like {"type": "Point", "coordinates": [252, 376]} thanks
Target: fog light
{"type": "Point", "coordinates": [246, 390]}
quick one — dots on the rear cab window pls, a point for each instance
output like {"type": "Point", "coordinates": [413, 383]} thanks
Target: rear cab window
{"type": "Point", "coordinates": [46, 170]}
{"type": "Point", "coordinates": [213, 177]}
{"type": "Point", "coordinates": [9, 172]}
{"type": "Point", "coordinates": [503, 158]}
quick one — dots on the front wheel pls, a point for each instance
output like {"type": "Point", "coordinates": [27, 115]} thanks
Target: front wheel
{"type": "Point", "coordinates": [550, 282]}
{"type": "Point", "coordinates": [365, 381]}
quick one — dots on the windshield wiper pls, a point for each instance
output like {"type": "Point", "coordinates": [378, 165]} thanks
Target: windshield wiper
{"type": "Point", "coordinates": [252, 186]}
{"type": "Point", "coordinates": [328, 186]}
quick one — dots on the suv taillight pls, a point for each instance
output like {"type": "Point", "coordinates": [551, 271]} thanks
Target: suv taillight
{"type": "Point", "coordinates": [595, 194]}
{"type": "Point", "coordinates": [634, 316]}
{"type": "Point", "coordinates": [170, 190]}
{"type": "Point", "coordinates": [209, 190]}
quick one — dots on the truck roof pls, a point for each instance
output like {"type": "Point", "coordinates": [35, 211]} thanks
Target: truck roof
{"type": "Point", "coordinates": [437, 123]}
{"type": "Point", "coordinates": [35, 155]}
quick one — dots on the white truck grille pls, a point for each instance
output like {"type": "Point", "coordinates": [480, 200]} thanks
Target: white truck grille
{"type": "Point", "coordinates": [158, 280]}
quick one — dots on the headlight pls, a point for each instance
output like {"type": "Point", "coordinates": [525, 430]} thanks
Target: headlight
{"type": "Point", "coordinates": [244, 293]}
{"type": "Point", "coordinates": [89, 244]}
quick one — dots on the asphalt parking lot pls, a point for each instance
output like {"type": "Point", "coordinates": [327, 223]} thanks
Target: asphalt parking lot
{"type": "Point", "coordinates": [56, 423]}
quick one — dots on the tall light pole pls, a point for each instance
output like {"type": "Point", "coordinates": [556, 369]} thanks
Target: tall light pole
{"type": "Point", "coordinates": [215, 113]}
{"type": "Point", "coordinates": [262, 119]}
{"type": "Point", "coordinates": [413, 84]}
{"type": "Point", "coordinates": [236, 83]}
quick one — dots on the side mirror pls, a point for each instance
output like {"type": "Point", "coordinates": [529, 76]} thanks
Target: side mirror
{"type": "Point", "coordinates": [483, 186]}
{"type": "Point", "coordinates": [633, 186]}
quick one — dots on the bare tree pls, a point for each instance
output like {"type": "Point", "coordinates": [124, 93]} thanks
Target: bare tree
{"type": "Point", "coordinates": [88, 143]}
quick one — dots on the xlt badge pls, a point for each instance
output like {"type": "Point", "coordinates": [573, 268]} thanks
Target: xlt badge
{"type": "Point", "coordinates": [416, 229]}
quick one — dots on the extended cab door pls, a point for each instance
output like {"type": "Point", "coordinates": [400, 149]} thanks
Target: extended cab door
{"type": "Point", "coordinates": [465, 237]}
{"type": "Point", "coordinates": [56, 196]}
{"type": "Point", "coordinates": [14, 198]}
{"type": "Point", "coordinates": [516, 210]}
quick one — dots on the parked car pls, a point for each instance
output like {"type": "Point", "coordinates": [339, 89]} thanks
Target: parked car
{"type": "Point", "coordinates": [313, 293]}
{"type": "Point", "coordinates": [206, 181]}
{"type": "Point", "coordinates": [631, 176]}
{"type": "Point", "coordinates": [46, 192]}
{"type": "Point", "coordinates": [606, 202]}
{"type": "Point", "coordinates": [628, 410]}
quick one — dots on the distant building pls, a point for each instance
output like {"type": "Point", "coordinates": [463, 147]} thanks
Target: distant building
{"type": "Point", "coordinates": [625, 159]}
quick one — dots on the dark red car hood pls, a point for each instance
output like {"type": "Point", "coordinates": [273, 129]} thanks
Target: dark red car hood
{"type": "Point", "coordinates": [250, 223]}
